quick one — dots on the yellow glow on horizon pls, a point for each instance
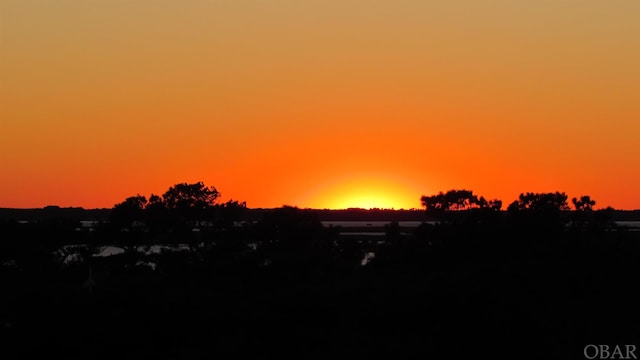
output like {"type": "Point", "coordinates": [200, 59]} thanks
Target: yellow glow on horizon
{"type": "Point", "coordinates": [366, 192]}
{"type": "Point", "coordinates": [366, 201]}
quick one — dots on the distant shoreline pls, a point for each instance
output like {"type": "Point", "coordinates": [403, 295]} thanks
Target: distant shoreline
{"type": "Point", "coordinates": [81, 214]}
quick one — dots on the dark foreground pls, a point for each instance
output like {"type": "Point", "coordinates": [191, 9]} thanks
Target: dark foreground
{"type": "Point", "coordinates": [298, 289]}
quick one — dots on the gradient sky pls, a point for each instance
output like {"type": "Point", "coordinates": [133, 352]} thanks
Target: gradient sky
{"type": "Point", "coordinates": [318, 103]}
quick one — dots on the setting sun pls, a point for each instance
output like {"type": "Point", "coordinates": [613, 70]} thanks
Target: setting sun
{"type": "Point", "coordinates": [366, 192]}
{"type": "Point", "coordinates": [365, 200]}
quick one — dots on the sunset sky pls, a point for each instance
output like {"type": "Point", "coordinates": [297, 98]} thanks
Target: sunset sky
{"type": "Point", "coordinates": [318, 103]}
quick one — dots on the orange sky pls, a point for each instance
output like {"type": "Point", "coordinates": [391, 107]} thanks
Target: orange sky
{"type": "Point", "coordinates": [330, 103]}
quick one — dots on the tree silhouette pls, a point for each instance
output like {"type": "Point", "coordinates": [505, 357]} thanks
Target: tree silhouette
{"type": "Point", "coordinates": [229, 212]}
{"type": "Point", "coordinates": [540, 202]}
{"type": "Point", "coordinates": [182, 204]}
{"type": "Point", "coordinates": [435, 205]}
{"type": "Point", "coordinates": [191, 202]}
{"type": "Point", "coordinates": [584, 211]}
{"type": "Point", "coordinates": [195, 196]}
{"type": "Point", "coordinates": [441, 204]}
{"type": "Point", "coordinates": [494, 204]}
{"type": "Point", "coordinates": [584, 203]}
{"type": "Point", "coordinates": [539, 208]}
{"type": "Point", "coordinates": [128, 212]}
{"type": "Point", "coordinates": [156, 214]}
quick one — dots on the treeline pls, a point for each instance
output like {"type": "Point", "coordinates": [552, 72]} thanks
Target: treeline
{"type": "Point", "coordinates": [194, 205]}
{"type": "Point", "coordinates": [542, 209]}
{"type": "Point", "coordinates": [53, 212]}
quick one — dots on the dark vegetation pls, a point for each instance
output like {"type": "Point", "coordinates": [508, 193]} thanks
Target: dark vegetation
{"type": "Point", "coordinates": [539, 280]}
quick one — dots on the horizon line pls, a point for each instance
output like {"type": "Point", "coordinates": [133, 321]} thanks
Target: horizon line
{"type": "Point", "coordinates": [277, 207]}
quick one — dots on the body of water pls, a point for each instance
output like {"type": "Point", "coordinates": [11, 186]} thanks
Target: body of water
{"type": "Point", "coordinates": [373, 228]}
{"type": "Point", "coordinates": [373, 224]}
